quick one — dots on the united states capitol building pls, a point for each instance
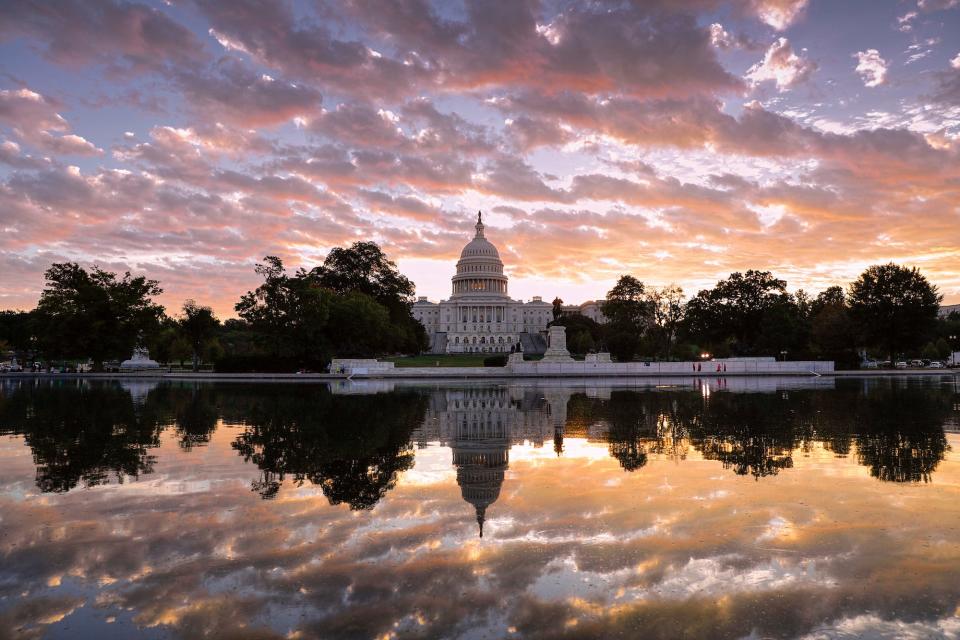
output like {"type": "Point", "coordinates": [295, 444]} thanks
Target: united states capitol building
{"type": "Point", "coordinates": [480, 316]}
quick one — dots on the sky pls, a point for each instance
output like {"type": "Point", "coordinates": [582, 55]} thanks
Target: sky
{"type": "Point", "coordinates": [675, 140]}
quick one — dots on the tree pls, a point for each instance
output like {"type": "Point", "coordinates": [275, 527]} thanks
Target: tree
{"type": "Point", "coordinates": [734, 310]}
{"type": "Point", "coordinates": [16, 332]}
{"type": "Point", "coordinates": [290, 312]}
{"type": "Point", "coordinates": [833, 335]}
{"type": "Point", "coordinates": [362, 325]}
{"type": "Point", "coordinates": [94, 313]}
{"type": "Point", "coordinates": [557, 308]}
{"type": "Point", "coordinates": [627, 306]}
{"type": "Point", "coordinates": [667, 306]}
{"type": "Point", "coordinates": [829, 297]}
{"type": "Point", "coordinates": [583, 333]}
{"type": "Point", "coordinates": [198, 325]}
{"type": "Point", "coordinates": [623, 345]}
{"type": "Point", "coordinates": [364, 268]}
{"type": "Point", "coordinates": [893, 307]}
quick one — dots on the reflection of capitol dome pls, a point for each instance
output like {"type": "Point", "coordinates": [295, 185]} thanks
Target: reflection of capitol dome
{"type": "Point", "coordinates": [481, 445]}
{"type": "Point", "coordinates": [480, 473]}
{"type": "Point", "coordinates": [480, 426]}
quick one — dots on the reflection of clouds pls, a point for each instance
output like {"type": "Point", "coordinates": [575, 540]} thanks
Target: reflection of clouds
{"type": "Point", "coordinates": [872, 626]}
{"type": "Point", "coordinates": [576, 547]}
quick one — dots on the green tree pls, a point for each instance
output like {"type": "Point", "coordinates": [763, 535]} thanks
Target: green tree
{"type": "Point", "coordinates": [627, 306]}
{"type": "Point", "coordinates": [833, 335]}
{"type": "Point", "coordinates": [198, 325]}
{"type": "Point", "coordinates": [289, 312]}
{"type": "Point", "coordinates": [161, 346]}
{"type": "Point", "coordinates": [943, 348]}
{"type": "Point", "coordinates": [583, 333]}
{"type": "Point", "coordinates": [623, 345]}
{"type": "Point", "coordinates": [95, 313]}
{"type": "Point", "coordinates": [929, 351]}
{"type": "Point", "coordinates": [830, 297]}
{"type": "Point", "coordinates": [364, 268]}
{"type": "Point", "coordinates": [893, 307]}
{"type": "Point", "coordinates": [180, 350]}
{"type": "Point", "coordinates": [734, 310]}
{"type": "Point", "coordinates": [16, 330]}
{"type": "Point", "coordinates": [666, 304]}
{"type": "Point", "coordinates": [362, 324]}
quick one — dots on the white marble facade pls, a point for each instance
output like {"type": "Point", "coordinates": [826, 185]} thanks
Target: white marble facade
{"type": "Point", "coordinates": [480, 316]}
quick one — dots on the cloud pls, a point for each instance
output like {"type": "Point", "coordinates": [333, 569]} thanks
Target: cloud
{"type": "Point", "coordinates": [68, 145]}
{"type": "Point", "coordinates": [30, 112]}
{"type": "Point", "coordinates": [33, 116]}
{"type": "Point", "coordinates": [120, 34]}
{"type": "Point", "coordinates": [11, 155]}
{"type": "Point", "coordinates": [590, 49]}
{"type": "Point", "coordinates": [781, 65]}
{"type": "Point", "coordinates": [871, 67]}
{"type": "Point", "coordinates": [937, 5]}
{"type": "Point", "coordinates": [236, 94]}
{"type": "Point", "coordinates": [779, 14]}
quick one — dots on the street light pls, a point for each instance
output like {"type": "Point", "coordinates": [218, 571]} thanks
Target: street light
{"type": "Point", "coordinates": [704, 356]}
{"type": "Point", "coordinates": [783, 355]}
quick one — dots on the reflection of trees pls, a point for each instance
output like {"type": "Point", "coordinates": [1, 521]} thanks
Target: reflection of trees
{"type": "Point", "coordinates": [81, 433]}
{"type": "Point", "coordinates": [899, 432]}
{"type": "Point", "coordinates": [353, 447]}
{"type": "Point", "coordinates": [192, 409]}
{"type": "Point", "coordinates": [752, 433]}
{"type": "Point", "coordinates": [895, 428]}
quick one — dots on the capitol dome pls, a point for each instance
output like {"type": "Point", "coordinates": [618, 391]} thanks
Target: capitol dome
{"type": "Point", "coordinates": [479, 270]}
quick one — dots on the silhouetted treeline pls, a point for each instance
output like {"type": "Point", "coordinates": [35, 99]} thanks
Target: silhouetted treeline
{"type": "Point", "coordinates": [890, 311]}
{"type": "Point", "coordinates": [355, 304]}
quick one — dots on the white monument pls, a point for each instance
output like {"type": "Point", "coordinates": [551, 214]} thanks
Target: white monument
{"type": "Point", "coordinates": [140, 361]}
{"type": "Point", "coordinates": [557, 349]}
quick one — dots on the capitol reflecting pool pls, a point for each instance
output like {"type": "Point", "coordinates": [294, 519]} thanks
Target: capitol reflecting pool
{"type": "Point", "coordinates": [729, 508]}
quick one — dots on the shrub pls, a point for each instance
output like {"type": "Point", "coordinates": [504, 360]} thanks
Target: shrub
{"type": "Point", "coordinates": [495, 361]}
{"type": "Point", "coordinates": [259, 363]}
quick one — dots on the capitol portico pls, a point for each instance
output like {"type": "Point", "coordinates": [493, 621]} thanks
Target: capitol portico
{"type": "Point", "coordinates": [480, 316]}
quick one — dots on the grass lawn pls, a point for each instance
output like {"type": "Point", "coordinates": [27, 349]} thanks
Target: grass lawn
{"type": "Point", "coordinates": [444, 360]}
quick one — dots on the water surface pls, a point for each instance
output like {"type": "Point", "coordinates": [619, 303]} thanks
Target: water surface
{"type": "Point", "coordinates": [730, 508]}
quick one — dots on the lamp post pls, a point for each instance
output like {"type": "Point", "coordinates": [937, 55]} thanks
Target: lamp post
{"type": "Point", "coordinates": [783, 355]}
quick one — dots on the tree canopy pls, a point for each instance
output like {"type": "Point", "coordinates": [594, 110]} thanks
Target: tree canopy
{"type": "Point", "coordinates": [95, 313]}
{"type": "Point", "coordinates": [893, 307]}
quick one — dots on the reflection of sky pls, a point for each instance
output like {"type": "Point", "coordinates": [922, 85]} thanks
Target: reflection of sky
{"type": "Point", "coordinates": [574, 546]}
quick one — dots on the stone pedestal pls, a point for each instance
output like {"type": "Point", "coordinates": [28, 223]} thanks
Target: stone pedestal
{"type": "Point", "coordinates": [597, 357]}
{"type": "Point", "coordinates": [557, 349]}
{"type": "Point", "coordinates": [140, 361]}
{"type": "Point", "coordinates": [515, 358]}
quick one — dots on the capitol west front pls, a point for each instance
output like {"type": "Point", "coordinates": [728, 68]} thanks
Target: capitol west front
{"type": "Point", "coordinates": [480, 316]}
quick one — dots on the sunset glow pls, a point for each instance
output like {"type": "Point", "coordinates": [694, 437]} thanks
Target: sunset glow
{"type": "Point", "coordinates": [678, 141]}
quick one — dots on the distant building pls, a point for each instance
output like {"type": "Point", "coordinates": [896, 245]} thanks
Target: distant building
{"type": "Point", "coordinates": [948, 309]}
{"type": "Point", "coordinates": [480, 316]}
{"type": "Point", "coordinates": [591, 309]}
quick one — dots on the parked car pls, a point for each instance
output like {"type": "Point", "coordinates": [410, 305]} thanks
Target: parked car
{"type": "Point", "coordinates": [936, 365]}
{"type": "Point", "coordinates": [900, 365]}
{"type": "Point", "coordinates": [869, 364]}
